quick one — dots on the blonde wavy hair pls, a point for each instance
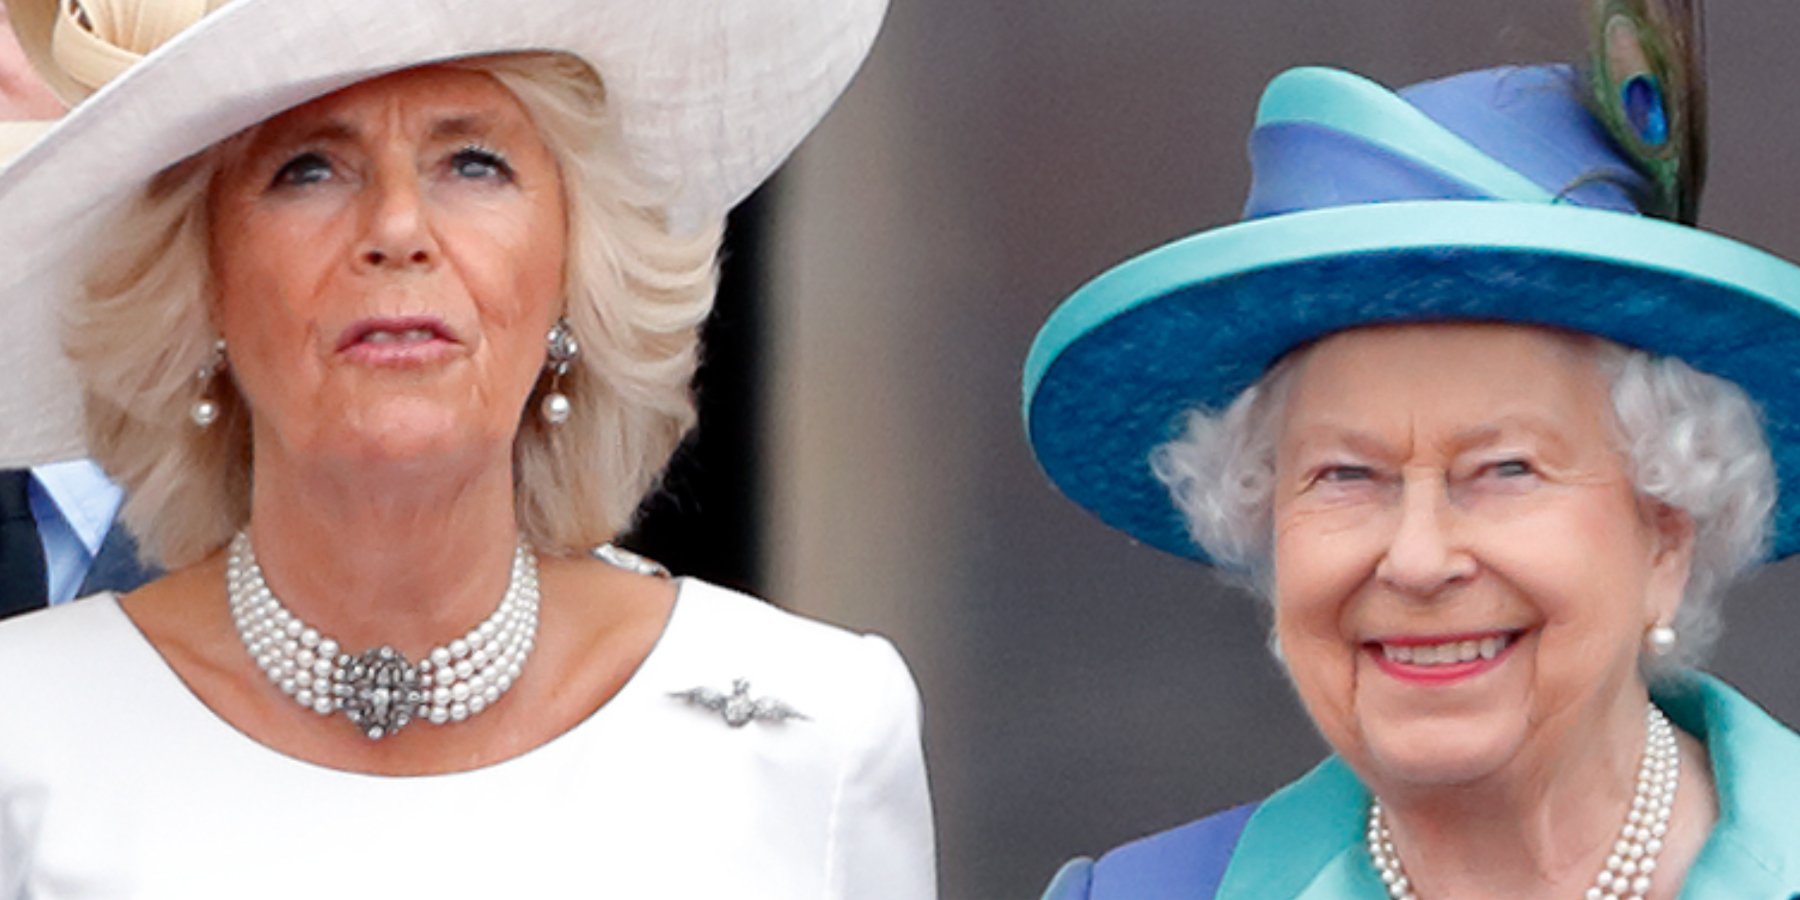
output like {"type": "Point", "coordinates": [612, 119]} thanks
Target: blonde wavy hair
{"type": "Point", "coordinates": [635, 295]}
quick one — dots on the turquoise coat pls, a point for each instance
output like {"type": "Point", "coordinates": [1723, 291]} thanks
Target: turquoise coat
{"type": "Point", "coordinates": [1306, 840]}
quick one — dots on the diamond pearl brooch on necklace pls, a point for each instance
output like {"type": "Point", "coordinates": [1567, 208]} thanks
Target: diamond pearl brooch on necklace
{"type": "Point", "coordinates": [1633, 861]}
{"type": "Point", "coordinates": [379, 690]}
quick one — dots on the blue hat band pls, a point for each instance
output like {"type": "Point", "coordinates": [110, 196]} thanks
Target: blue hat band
{"type": "Point", "coordinates": [1324, 139]}
{"type": "Point", "coordinates": [1299, 166]}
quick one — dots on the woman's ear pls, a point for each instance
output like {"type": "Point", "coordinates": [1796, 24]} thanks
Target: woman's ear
{"type": "Point", "coordinates": [1671, 561]}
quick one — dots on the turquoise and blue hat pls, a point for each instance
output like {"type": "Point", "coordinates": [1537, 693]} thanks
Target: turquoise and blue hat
{"type": "Point", "coordinates": [1487, 196]}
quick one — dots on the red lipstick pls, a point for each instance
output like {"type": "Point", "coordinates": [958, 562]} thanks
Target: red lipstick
{"type": "Point", "coordinates": [1442, 659]}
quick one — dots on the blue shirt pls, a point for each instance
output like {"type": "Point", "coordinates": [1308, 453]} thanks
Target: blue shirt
{"type": "Point", "coordinates": [74, 504]}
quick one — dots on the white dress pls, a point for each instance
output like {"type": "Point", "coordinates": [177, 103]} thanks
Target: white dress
{"type": "Point", "coordinates": [116, 782]}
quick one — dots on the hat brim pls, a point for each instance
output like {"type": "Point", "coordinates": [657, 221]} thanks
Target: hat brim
{"type": "Point", "coordinates": [712, 98]}
{"type": "Point", "coordinates": [1193, 323]}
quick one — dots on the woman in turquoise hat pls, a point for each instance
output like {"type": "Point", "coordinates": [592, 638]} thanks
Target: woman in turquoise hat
{"type": "Point", "coordinates": [1491, 427]}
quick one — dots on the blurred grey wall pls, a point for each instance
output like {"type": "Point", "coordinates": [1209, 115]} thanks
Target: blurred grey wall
{"type": "Point", "coordinates": [1080, 690]}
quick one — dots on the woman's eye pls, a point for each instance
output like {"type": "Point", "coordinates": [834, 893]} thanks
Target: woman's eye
{"type": "Point", "coordinates": [307, 168]}
{"type": "Point", "coordinates": [1345, 474]}
{"type": "Point", "coordinates": [1511, 468]}
{"type": "Point", "coordinates": [474, 162]}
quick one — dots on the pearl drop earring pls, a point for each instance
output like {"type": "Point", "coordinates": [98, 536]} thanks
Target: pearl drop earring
{"type": "Point", "coordinates": [562, 350]}
{"type": "Point", "coordinates": [205, 411]}
{"type": "Point", "coordinates": [1661, 640]}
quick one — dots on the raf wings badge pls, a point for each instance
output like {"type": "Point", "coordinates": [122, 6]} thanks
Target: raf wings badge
{"type": "Point", "coordinates": [738, 708]}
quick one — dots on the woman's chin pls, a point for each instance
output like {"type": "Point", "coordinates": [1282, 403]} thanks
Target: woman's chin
{"type": "Point", "coordinates": [1439, 754]}
{"type": "Point", "coordinates": [401, 434]}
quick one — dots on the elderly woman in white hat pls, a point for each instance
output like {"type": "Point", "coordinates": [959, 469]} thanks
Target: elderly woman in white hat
{"type": "Point", "coordinates": [1491, 436]}
{"type": "Point", "coordinates": [384, 313]}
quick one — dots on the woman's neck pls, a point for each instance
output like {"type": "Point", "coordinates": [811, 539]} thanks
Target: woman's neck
{"type": "Point", "coordinates": [386, 556]}
{"type": "Point", "coordinates": [1545, 827]}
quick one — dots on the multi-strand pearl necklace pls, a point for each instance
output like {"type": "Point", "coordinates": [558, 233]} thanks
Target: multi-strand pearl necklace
{"type": "Point", "coordinates": [1633, 861]}
{"type": "Point", "coordinates": [379, 690]}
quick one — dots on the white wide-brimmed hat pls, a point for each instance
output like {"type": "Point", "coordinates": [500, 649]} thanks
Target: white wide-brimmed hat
{"type": "Point", "coordinates": [713, 96]}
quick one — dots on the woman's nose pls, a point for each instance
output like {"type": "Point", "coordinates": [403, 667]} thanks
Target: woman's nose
{"type": "Point", "coordinates": [397, 233]}
{"type": "Point", "coordinates": [1425, 557]}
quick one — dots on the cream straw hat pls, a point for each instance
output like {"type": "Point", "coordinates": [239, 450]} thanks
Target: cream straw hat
{"type": "Point", "coordinates": [713, 96]}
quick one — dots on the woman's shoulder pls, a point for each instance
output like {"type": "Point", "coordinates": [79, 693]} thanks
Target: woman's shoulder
{"type": "Point", "coordinates": [61, 636]}
{"type": "Point", "coordinates": [1185, 861]}
{"type": "Point", "coordinates": [1755, 759]}
{"type": "Point", "coordinates": [720, 637]}
{"type": "Point", "coordinates": [739, 626]}
{"type": "Point", "coordinates": [73, 656]}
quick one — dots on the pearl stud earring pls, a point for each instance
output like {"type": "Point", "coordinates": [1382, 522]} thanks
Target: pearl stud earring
{"type": "Point", "coordinates": [1660, 640]}
{"type": "Point", "coordinates": [561, 351]}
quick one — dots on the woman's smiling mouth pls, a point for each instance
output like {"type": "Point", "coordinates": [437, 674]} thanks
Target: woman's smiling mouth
{"type": "Point", "coordinates": [1438, 660]}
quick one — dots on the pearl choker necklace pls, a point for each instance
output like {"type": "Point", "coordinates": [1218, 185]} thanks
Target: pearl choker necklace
{"type": "Point", "coordinates": [379, 690]}
{"type": "Point", "coordinates": [1633, 860]}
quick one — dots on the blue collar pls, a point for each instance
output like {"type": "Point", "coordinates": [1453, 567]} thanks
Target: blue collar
{"type": "Point", "coordinates": [80, 494]}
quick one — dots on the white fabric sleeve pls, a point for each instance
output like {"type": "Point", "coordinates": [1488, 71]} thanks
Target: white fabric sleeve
{"type": "Point", "coordinates": [882, 846]}
{"type": "Point", "coordinates": [21, 814]}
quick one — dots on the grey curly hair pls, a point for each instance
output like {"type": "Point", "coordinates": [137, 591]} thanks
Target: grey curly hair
{"type": "Point", "coordinates": [1692, 441]}
{"type": "Point", "coordinates": [636, 294]}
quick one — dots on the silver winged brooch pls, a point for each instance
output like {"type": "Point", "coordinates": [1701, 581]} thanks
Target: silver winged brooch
{"type": "Point", "coordinates": [738, 708]}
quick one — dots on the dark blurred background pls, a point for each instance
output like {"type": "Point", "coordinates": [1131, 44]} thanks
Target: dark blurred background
{"type": "Point", "coordinates": [706, 519]}
{"type": "Point", "coordinates": [862, 425]}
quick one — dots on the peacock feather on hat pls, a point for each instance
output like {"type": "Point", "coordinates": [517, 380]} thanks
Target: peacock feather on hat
{"type": "Point", "coordinates": [1646, 75]}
